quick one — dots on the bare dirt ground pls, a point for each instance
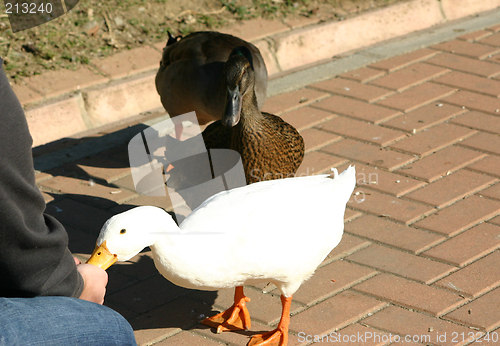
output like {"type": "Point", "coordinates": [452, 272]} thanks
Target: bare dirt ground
{"type": "Point", "coordinates": [100, 28]}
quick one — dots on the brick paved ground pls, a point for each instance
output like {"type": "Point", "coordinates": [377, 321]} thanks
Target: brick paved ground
{"type": "Point", "coordinates": [420, 255]}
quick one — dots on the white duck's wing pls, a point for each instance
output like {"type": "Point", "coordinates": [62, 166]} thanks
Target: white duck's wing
{"type": "Point", "coordinates": [280, 228]}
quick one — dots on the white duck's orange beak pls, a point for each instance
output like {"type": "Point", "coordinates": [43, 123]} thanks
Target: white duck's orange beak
{"type": "Point", "coordinates": [101, 257]}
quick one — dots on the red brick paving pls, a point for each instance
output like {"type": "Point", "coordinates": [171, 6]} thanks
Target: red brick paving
{"type": "Point", "coordinates": [423, 328]}
{"type": "Point", "coordinates": [424, 117]}
{"type": "Point", "coordinates": [476, 278]}
{"type": "Point", "coordinates": [420, 251]}
{"type": "Point", "coordinates": [416, 97]}
{"type": "Point", "coordinates": [480, 312]}
{"type": "Point", "coordinates": [400, 263]}
{"type": "Point", "coordinates": [381, 230]}
{"type": "Point", "coordinates": [442, 163]}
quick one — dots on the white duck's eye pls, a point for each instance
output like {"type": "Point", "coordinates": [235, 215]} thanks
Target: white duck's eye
{"type": "Point", "coordinates": [123, 231]}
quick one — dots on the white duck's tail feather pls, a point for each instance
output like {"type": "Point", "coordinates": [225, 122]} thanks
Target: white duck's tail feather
{"type": "Point", "coordinates": [345, 182]}
{"type": "Point", "coordinates": [334, 173]}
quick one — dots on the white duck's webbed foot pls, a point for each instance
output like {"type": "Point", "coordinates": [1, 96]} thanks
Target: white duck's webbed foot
{"type": "Point", "coordinates": [274, 337]}
{"type": "Point", "coordinates": [236, 317]}
{"type": "Point", "coordinates": [278, 336]}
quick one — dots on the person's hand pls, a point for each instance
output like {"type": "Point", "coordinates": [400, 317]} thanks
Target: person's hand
{"type": "Point", "coordinates": [95, 280]}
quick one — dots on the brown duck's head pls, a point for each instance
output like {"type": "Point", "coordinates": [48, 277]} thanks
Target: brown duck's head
{"type": "Point", "coordinates": [240, 81]}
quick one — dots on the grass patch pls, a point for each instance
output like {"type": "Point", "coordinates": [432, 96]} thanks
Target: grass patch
{"type": "Point", "coordinates": [100, 28]}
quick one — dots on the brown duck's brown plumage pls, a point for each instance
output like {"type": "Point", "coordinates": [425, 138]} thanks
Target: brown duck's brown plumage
{"type": "Point", "coordinates": [270, 148]}
{"type": "Point", "coordinates": [190, 76]}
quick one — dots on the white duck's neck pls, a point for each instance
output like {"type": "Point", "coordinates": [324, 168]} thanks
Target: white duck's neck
{"type": "Point", "coordinates": [174, 256]}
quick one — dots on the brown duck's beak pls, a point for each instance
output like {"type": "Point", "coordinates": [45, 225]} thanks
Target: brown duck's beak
{"type": "Point", "coordinates": [101, 257]}
{"type": "Point", "coordinates": [232, 111]}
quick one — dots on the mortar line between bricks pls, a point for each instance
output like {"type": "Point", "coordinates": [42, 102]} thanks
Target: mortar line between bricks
{"type": "Point", "coordinates": [352, 97]}
{"type": "Point", "coordinates": [469, 108]}
{"type": "Point", "coordinates": [412, 108]}
{"type": "Point", "coordinates": [493, 198]}
{"type": "Point", "coordinates": [411, 308]}
{"type": "Point", "coordinates": [318, 147]}
{"type": "Point", "coordinates": [448, 236]}
{"type": "Point", "coordinates": [416, 84]}
{"type": "Point", "coordinates": [356, 216]}
{"type": "Point", "coordinates": [468, 72]}
{"type": "Point", "coordinates": [387, 330]}
{"type": "Point", "coordinates": [451, 201]}
{"type": "Point", "coordinates": [408, 199]}
{"type": "Point", "coordinates": [422, 59]}
{"type": "Point", "coordinates": [412, 221]}
{"type": "Point", "coordinates": [475, 128]}
{"type": "Point", "coordinates": [439, 242]}
{"type": "Point", "coordinates": [470, 325]}
{"type": "Point", "coordinates": [334, 293]}
{"type": "Point", "coordinates": [417, 312]}
{"type": "Point", "coordinates": [163, 337]}
{"type": "Point", "coordinates": [479, 150]}
{"type": "Point", "coordinates": [342, 256]}
{"type": "Point", "coordinates": [368, 314]}
{"type": "Point", "coordinates": [416, 253]}
{"type": "Point", "coordinates": [307, 103]}
{"type": "Point", "coordinates": [210, 336]}
{"type": "Point", "coordinates": [398, 171]}
{"type": "Point", "coordinates": [366, 162]}
{"type": "Point", "coordinates": [469, 296]}
{"type": "Point", "coordinates": [399, 113]}
{"type": "Point", "coordinates": [462, 166]}
{"type": "Point", "coordinates": [466, 263]}
{"type": "Point", "coordinates": [343, 324]}
{"type": "Point", "coordinates": [465, 88]}
{"type": "Point", "coordinates": [434, 150]}
{"type": "Point", "coordinates": [367, 325]}
{"type": "Point", "coordinates": [487, 44]}
{"type": "Point", "coordinates": [344, 136]}
{"type": "Point", "coordinates": [396, 304]}
{"type": "Point", "coordinates": [468, 56]}
{"type": "Point", "coordinates": [384, 271]}
{"type": "Point", "coordinates": [366, 80]}
{"type": "Point", "coordinates": [436, 123]}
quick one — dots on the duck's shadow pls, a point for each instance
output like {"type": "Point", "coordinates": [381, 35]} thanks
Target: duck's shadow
{"type": "Point", "coordinates": [161, 304]}
{"type": "Point", "coordinates": [135, 289]}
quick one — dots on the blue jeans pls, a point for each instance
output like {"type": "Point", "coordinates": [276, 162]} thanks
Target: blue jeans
{"type": "Point", "coordinates": [61, 321]}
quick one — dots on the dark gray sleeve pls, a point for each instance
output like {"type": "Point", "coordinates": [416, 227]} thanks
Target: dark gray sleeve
{"type": "Point", "coordinates": [34, 255]}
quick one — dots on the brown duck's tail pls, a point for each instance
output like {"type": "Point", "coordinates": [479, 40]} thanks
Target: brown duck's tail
{"type": "Point", "coordinates": [173, 39]}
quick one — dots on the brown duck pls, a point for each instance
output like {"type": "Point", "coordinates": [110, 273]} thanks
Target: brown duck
{"type": "Point", "coordinates": [270, 148]}
{"type": "Point", "coordinates": [190, 76]}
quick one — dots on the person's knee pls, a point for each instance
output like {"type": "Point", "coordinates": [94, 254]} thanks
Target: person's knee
{"type": "Point", "coordinates": [107, 324]}
{"type": "Point", "coordinates": [118, 326]}
{"type": "Point", "coordinates": [62, 321]}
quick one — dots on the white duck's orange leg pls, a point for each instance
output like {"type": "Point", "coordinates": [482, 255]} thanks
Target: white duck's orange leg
{"type": "Point", "coordinates": [278, 336]}
{"type": "Point", "coordinates": [234, 318]}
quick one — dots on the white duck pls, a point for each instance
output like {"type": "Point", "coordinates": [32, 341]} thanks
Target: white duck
{"type": "Point", "coordinates": [275, 231]}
